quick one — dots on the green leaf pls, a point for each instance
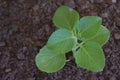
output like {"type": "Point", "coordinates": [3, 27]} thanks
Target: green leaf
{"type": "Point", "coordinates": [88, 26]}
{"type": "Point", "coordinates": [61, 41]}
{"type": "Point", "coordinates": [90, 56]}
{"type": "Point", "coordinates": [65, 17]}
{"type": "Point", "coordinates": [49, 61]}
{"type": "Point", "coordinates": [102, 36]}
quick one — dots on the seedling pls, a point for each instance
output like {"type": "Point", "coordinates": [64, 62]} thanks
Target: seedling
{"type": "Point", "coordinates": [85, 37]}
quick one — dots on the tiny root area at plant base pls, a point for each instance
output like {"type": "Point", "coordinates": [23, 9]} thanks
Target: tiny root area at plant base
{"type": "Point", "coordinates": [84, 36]}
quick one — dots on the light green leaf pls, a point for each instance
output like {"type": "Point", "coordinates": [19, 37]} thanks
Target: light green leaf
{"type": "Point", "coordinates": [49, 61]}
{"type": "Point", "coordinates": [61, 41]}
{"type": "Point", "coordinates": [65, 17]}
{"type": "Point", "coordinates": [90, 56]}
{"type": "Point", "coordinates": [102, 36]}
{"type": "Point", "coordinates": [88, 26]}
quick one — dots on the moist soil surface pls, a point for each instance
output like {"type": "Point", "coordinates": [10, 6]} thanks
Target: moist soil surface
{"type": "Point", "coordinates": [25, 26]}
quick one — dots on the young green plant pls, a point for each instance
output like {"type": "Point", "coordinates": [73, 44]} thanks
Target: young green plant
{"type": "Point", "coordinates": [84, 37]}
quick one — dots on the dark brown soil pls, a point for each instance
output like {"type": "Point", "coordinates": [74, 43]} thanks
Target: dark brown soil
{"type": "Point", "coordinates": [25, 26]}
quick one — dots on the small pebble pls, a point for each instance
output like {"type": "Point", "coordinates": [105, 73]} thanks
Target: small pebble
{"type": "Point", "coordinates": [114, 68]}
{"type": "Point", "coordinates": [104, 15]}
{"type": "Point", "coordinates": [33, 78]}
{"type": "Point", "coordinates": [98, 1]}
{"type": "Point", "coordinates": [36, 7]}
{"type": "Point", "coordinates": [2, 44]}
{"type": "Point", "coordinates": [117, 36]}
{"type": "Point", "coordinates": [70, 3]}
{"type": "Point", "coordinates": [118, 21]}
{"type": "Point", "coordinates": [20, 56]}
{"type": "Point", "coordinates": [7, 70]}
{"type": "Point", "coordinates": [107, 50]}
{"type": "Point", "coordinates": [108, 73]}
{"type": "Point", "coordinates": [93, 77]}
{"type": "Point", "coordinates": [114, 1]}
{"type": "Point", "coordinates": [21, 1]}
{"type": "Point", "coordinates": [47, 29]}
{"type": "Point", "coordinates": [21, 51]}
{"type": "Point", "coordinates": [112, 78]}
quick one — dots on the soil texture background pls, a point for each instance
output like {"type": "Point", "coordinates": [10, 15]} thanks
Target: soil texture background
{"type": "Point", "coordinates": [25, 26]}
